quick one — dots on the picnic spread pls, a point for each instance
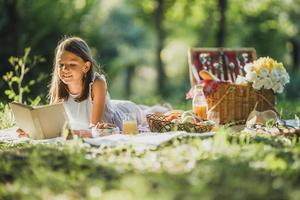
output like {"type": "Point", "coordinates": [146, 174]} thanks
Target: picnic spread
{"type": "Point", "coordinates": [145, 139]}
{"type": "Point", "coordinates": [229, 88]}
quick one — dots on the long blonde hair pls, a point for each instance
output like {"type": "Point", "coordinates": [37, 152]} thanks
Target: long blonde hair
{"type": "Point", "coordinates": [58, 90]}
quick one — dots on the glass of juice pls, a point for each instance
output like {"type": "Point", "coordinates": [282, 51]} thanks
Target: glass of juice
{"type": "Point", "coordinates": [130, 124]}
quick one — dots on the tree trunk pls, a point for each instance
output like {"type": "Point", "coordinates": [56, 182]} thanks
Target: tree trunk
{"type": "Point", "coordinates": [9, 33]}
{"type": "Point", "coordinates": [206, 29]}
{"type": "Point", "coordinates": [222, 23]}
{"type": "Point", "coordinates": [295, 54]}
{"type": "Point", "coordinates": [158, 19]}
{"type": "Point", "coordinates": [128, 80]}
{"type": "Point", "coordinates": [12, 25]}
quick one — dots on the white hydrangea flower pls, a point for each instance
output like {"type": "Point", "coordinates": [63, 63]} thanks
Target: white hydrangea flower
{"type": "Point", "coordinates": [274, 75]}
{"type": "Point", "coordinates": [277, 88]}
{"type": "Point", "coordinates": [264, 72]}
{"type": "Point", "coordinates": [251, 76]}
{"type": "Point", "coordinates": [268, 83]}
{"type": "Point", "coordinates": [248, 67]}
{"type": "Point", "coordinates": [287, 78]}
{"type": "Point", "coordinates": [284, 78]}
{"type": "Point", "coordinates": [280, 90]}
{"type": "Point", "coordinates": [257, 84]}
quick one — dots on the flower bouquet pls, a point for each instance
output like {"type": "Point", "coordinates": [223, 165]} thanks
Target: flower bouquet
{"type": "Point", "coordinates": [265, 73]}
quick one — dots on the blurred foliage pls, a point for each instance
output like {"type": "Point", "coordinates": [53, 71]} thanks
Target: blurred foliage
{"type": "Point", "coordinates": [40, 25]}
{"type": "Point", "coordinates": [122, 35]}
{"type": "Point", "coordinates": [289, 109]}
{"type": "Point", "coordinates": [293, 88]}
{"type": "Point", "coordinates": [17, 89]}
{"type": "Point", "coordinates": [7, 119]}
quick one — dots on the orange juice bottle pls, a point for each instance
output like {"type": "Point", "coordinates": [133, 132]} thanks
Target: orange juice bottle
{"type": "Point", "coordinates": [199, 102]}
{"type": "Point", "coordinates": [200, 111]}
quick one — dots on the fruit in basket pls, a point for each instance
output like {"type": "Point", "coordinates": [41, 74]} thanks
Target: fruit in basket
{"type": "Point", "coordinates": [187, 119]}
{"type": "Point", "coordinates": [187, 113]}
{"type": "Point", "coordinates": [179, 116]}
{"type": "Point", "coordinates": [190, 117]}
{"type": "Point", "coordinates": [174, 112]}
{"type": "Point", "coordinates": [173, 115]}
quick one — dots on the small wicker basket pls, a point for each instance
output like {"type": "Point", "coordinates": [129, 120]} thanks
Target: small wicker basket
{"type": "Point", "coordinates": [159, 123]}
{"type": "Point", "coordinates": [234, 102]}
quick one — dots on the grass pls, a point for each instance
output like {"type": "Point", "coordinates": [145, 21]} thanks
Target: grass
{"type": "Point", "coordinates": [289, 108]}
{"type": "Point", "coordinates": [257, 167]}
{"type": "Point", "coordinates": [222, 167]}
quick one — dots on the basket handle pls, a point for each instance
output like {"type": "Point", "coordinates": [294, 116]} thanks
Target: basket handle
{"type": "Point", "coordinates": [268, 102]}
{"type": "Point", "coordinates": [230, 89]}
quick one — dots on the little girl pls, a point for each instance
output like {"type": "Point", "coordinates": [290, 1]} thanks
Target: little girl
{"type": "Point", "coordinates": [84, 93]}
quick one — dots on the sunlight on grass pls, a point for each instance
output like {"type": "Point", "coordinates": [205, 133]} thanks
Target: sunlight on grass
{"type": "Point", "coordinates": [183, 168]}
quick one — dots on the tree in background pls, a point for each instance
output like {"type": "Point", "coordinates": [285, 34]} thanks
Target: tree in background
{"type": "Point", "coordinates": [38, 24]}
{"type": "Point", "coordinates": [222, 7]}
{"type": "Point", "coordinates": [126, 34]}
{"type": "Point", "coordinates": [160, 36]}
{"type": "Point", "coordinates": [126, 45]}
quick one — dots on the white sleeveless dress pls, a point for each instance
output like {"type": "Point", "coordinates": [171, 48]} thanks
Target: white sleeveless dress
{"type": "Point", "coordinates": [79, 113]}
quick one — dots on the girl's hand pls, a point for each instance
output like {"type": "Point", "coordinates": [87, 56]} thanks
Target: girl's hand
{"type": "Point", "coordinates": [21, 133]}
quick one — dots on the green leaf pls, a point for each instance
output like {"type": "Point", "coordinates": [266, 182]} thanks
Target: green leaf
{"type": "Point", "coordinates": [35, 101]}
{"type": "Point", "coordinates": [270, 123]}
{"type": "Point", "coordinates": [11, 60]}
{"type": "Point", "coordinates": [7, 92]}
{"type": "Point", "coordinates": [11, 95]}
{"type": "Point", "coordinates": [26, 89]}
{"type": "Point", "coordinates": [15, 79]}
{"type": "Point", "coordinates": [31, 82]}
{"type": "Point", "coordinates": [26, 70]}
{"type": "Point", "coordinates": [20, 62]}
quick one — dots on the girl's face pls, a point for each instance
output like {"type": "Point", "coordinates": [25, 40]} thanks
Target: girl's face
{"type": "Point", "coordinates": [71, 68]}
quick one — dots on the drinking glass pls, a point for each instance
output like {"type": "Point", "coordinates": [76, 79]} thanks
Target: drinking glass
{"type": "Point", "coordinates": [214, 116]}
{"type": "Point", "coordinates": [130, 124]}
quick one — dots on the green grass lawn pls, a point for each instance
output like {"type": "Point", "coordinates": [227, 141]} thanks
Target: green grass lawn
{"type": "Point", "coordinates": [238, 167]}
{"type": "Point", "coordinates": [222, 167]}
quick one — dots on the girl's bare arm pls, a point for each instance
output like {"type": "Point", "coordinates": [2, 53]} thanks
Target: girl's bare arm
{"type": "Point", "coordinates": [98, 96]}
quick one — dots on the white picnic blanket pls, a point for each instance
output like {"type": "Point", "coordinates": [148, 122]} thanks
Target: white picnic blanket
{"type": "Point", "coordinates": [10, 135]}
{"type": "Point", "coordinates": [148, 139]}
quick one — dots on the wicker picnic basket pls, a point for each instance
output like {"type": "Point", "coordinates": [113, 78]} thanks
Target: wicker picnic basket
{"type": "Point", "coordinates": [234, 102]}
{"type": "Point", "coordinates": [159, 123]}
